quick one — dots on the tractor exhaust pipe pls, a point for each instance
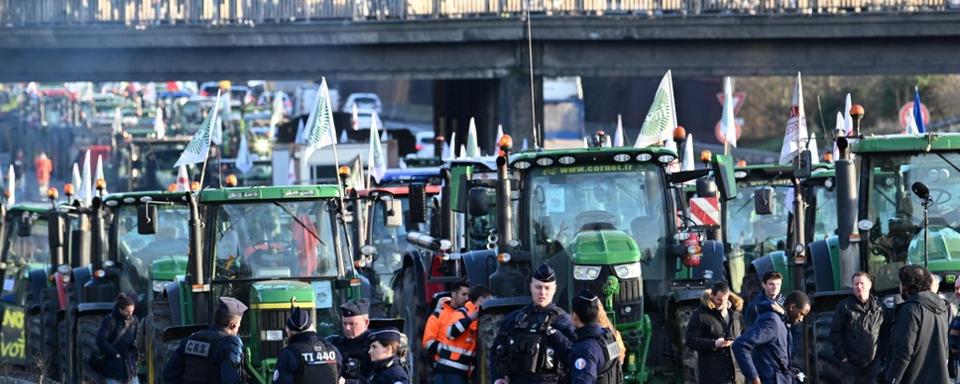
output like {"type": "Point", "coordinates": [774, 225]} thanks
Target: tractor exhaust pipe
{"type": "Point", "coordinates": [505, 218]}
{"type": "Point", "coordinates": [847, 231]}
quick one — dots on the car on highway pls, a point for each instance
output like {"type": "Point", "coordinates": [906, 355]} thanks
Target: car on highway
{"type": "Point", "coordinates": [366, 102]}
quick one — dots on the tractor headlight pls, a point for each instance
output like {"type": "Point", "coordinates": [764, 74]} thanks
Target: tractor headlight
{"type": "Point", "coordinates": [586, 272]}
{"type": "Point", "coordinates": [159, 285]}
{"type": "Point", "coordinates": [628, 271]}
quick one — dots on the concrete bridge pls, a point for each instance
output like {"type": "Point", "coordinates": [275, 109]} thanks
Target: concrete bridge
{"type": "Point", "coordinates": [483, 48]}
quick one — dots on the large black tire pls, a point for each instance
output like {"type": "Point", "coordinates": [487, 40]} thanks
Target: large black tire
{"type": "Point", "coordinates": [682, 315]}
{"type": "Point", "coordinates": [487, 327]}
{"type": "Point", "coordinates": [87, 328]}
{"type": "Point", "coordinates": [48, 361]}
{"type": "Point", "coordinates": [828, 367]}
{"type": "Point", "coordinates": [157, 351]}
{"type": "Point", "coordinates": [408, 291]}
{"type": "Point", "coordinates": [35, 361]}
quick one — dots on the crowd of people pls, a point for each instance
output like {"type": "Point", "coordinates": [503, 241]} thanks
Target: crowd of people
{"type": "Point", "coordinates": [915, 342]}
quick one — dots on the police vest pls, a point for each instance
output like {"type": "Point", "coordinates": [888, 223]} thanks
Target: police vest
{"type": "Point", "coordinates": [201, 357]}
{"type": "Point", "coordinates": [610, 372]}
{"type": "Point", "coordinates": [317, 362]}
{"type": "Point", "coordinates": [525, 350]}
{"type": "Point", "coordinates": [356, 356]}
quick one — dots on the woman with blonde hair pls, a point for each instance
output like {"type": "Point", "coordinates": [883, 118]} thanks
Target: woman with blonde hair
{"type": "Point", "coordinates": [604, 322]}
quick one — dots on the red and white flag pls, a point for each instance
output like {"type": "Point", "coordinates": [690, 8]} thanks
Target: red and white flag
{"type": "Point", "coordinates": [795, 138]}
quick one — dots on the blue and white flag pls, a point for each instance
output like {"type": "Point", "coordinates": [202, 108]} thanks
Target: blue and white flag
{"type": "Point", "coordinates": [917, 111]}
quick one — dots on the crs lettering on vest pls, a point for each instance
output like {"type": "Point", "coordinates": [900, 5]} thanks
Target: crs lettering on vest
{"type": "Point", "coordinates": [197, 348]}
{"type": "Point", "coordinates": [319, 357]}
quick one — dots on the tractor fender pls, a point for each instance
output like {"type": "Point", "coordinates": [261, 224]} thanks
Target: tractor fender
{"type": "Point", "coordinates": [711, 266]}
{"type": "Point", "coordinates": [504, 304]}
{"type": "Point", "coordinates": [763, 264]}
{"type": "Point", "coordinates": [94, 308]}
{"type": "Point", "coordinates": [683, 296]}
{"type": "Point", "coordinates": [825, 256]}
{"type": "Point", "coordinates": [479, 265]}
{"type": "Point", "coordinates": [827, 301]}
{"type": "Point", "coordinates": [37, 282]}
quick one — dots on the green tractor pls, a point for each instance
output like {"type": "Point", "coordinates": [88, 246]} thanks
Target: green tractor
{"type": "Point", "coordinates": [881, 223]}
{"type": "Point", "coordinates": [612, 220]}
{"type": "Point", "coordinates": [271, 247]}
{"type": "Point", "coordinates": [32, 293]}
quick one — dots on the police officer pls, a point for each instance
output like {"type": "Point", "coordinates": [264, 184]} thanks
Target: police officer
{"type": "Point", "coordinates": [385, 347]}
{"type": "Point", "coordinates": [594, 357]}
{"type": "Point", "coordinates": [533, 342]}
{"type": "Point", "coordinates": [212, 355]}
{"type": "Point", "coordinates": [307, 358]}
{"type": "Point", "coordinates": [354, 344]}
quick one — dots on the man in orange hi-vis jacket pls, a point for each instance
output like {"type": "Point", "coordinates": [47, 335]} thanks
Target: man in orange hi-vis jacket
{"type": "Point", "coordinates": [451, 361]}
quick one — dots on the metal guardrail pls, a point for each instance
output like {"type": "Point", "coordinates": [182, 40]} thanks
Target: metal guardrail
{"type": "Point", "coordinates": [14, 13]}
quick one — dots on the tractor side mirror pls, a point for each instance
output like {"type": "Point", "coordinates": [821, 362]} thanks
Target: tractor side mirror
{"type": "Point", "coordinates": [804, 167]}
{"type": "Point", "coordinates": [418, 203]}
{"type": "Point", "coordinates": [478, 201]}
{"type": "Point", "coordinates": [23, 227]}
{"type": "Point", "coordinates": [147, 219]}
{"type": "Point", "coordinates": [723, 172]}
{"type": "Point", "coordinates": [763, 201]}
{"type": "Point", "coordinates": [55, 231]}
{"type": "Point", "coordinates": [393, 213]}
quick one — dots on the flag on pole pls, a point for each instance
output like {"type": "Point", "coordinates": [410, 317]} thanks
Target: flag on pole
{"type": "Point", "coordinates": [847, 119]}
{"type": "Point", "coordinates": [453, 146]}
{"type": "Point", "coordinates": [795, 137]}
{"type": "Point", "coordinates": [357, 178]}
{"type": "Point", "coordinates": [159, 128]}
{"type": "Point", "coordinates": [525, 145]}
{"type": "Point", "coordinates": [661, 118]}
{"type": "Point", "coordinates": [183, 180]}
{"type": "Point", "coordinates": [496, 142]}
{"type": "Point", "coordinates": [100, 175]}
{"type": "Point", "coordinates": [688, 164]}
{"type": "Point", "coordinates": [839, 131]}
{"type": "Point", "coordinates": [618, 135]}
{"type": "Point", "coordinates": [319, 131]}
{"type": "Point", "coordinates": [917, 112]}
{"type": "Point", "coordinates": [728, 124]}
{"type": "Point", "coordinates": [244, 160]}
{"type": "Point", "coordinates": [355, 117]}
{"type": "Point", "coordinates": [473, 148]}
{"type": "Point", "coordinates": [11, 186]}
{"type": "Point", "coordinates": [87, 189]}
{"type": "Point", "coordinates": [216, 137]}
{"type": "Point", "coordinates": [299, 138]}
{"type": "Point", "coordinates": [376, 157]}
{"type": "Point", "coordinates": [911, 128]}
{"type": "Point", "coordinates": [199, 146]}
{"type": "Point", "coordinates": [463, 151]}
{"type": "Point", "coordinates": [671, 144]}
{"type": "Point", "coordinates": [77, 182]}
{"type": "Point", "coordinates": [814, 150]}
{"type": "Point", "coordinates": [277, 115]}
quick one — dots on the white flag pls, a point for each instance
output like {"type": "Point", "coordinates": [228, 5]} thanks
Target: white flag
{"type": "Point", "coordinates": [524, 147]}
{"type": "Point", "coordinates": [473, 148]}
{"type": "Point", "coordinates": [159, 128]}
{"type": "Point", "coordinates": [463, 151]}
{"type": "Point", "coordinates": [183, 180]}
{"type": "Point", "coordinates": [216, 137]}
{"type": "Point", "coordinates": [795, 137]}
{"type": "Point", "coordinates": [661, 119]}
{"type": "Point", "coordinates": [728, 124]}
{"type": "Point", "coordinates": [87, 189]}
{"type": "Point", "coordinates": [496, 143]}
{"type": "Point", "coordinates": [847, 119]}
{"type": "Point", "coordinates": [376, 157]}
{"type": "Point", "coordinates": [814, 151]}
{"type": "Point", "coordinates": [674, 165]}
{"type": "Point", "coordinates": [320, 131]}
{"type": "Point", "coordinates": [199, 147]}
{"type": "Point", "coordinates": [100, 174]}
{"type": "Point", "coordinates": [452, 150]}
{"type": "Point", "coordinates": [618, 135]}
{"type": "Point", "coordinates": [11, 186]}
{"type": "Point", "coordinates": [277, 115]}
{"type": "Point", "coordinates": [911, 128]}
{"type": "Point", "coordinates": [839, 131]}
{"type": "Point", "coordinates": [586, 142]}
{"type": "Point", "coordinates": [77, 182]}
{"type": "Point", "coordinates": [688, 164]}
{"type": "Point", "coordinates": [244, 160]}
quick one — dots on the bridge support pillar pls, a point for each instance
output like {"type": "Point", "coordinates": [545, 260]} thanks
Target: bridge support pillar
{"type": "Point", "coordinates": [489, 102]}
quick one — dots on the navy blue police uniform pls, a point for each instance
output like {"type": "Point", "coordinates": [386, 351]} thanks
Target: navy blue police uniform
{"type": "Point", "coordinates": [355, 352]}
{"type": "Point", "coordinates": [307, 358]}
{"type": "Point", "coordinates": [388, 371]}
{"type": "Point", "coordinates": [210, 356]}
{"type": "Point", "coordinates": [532, 344]}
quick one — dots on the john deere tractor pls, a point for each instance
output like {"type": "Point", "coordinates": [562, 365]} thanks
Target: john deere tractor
{"type": "Point", "coordinates": [881, 222]}
{"type": "Point", "coordinates": [271, 247]}
{"type": "Point", "coordinates": [605, 219]}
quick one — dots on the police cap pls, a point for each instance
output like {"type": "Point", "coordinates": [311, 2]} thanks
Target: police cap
{"type": "Point", "coordinates": [355, 308]}
{"type": "Point", "coordinates": [585, 305]}
{"type": "Point", "coordinates": [299, 320]}
{"type": "Point", "coordinates": [231, 306]}
{"type": "Point", "coordinates": [386, 335]}
{"type": "Point", "coordinates": [545, 274]}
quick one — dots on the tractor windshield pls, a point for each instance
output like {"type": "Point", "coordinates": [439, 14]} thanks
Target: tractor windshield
{"type": "Point", "coordinates": [568, 200]}
{"type": "Point", "coordinates": [758, 233]}
{"type": "Point", "coordinates": [825, 222]}
{"type": "Point", "coordinates": [137, 252]}
{"type": "Point", "coordinates": [22, 253]}
{"type": "Point", "coordinates": [897, 214]}
{"type": "Point", "coordinates": [277, 239]}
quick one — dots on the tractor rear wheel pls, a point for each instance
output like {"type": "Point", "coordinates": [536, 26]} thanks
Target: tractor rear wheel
{"type": "Point", "coordinates": [158, 351]}
{"type": "Point", "coordinates": [87, 328]}
{"type": "Point", "coordinates": [828, 367]}
{"type": "Point", "coordinates": [682, 315]}
{"type": "Point", "coordinates": [408, 292]}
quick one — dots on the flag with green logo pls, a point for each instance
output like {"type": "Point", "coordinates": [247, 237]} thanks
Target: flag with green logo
{"type": "Point", "coordinates": [661, 118]}
{"type": "Point", "coordinates": [199, 146]}
{"type": "Point", "coordinates": [319, 131]}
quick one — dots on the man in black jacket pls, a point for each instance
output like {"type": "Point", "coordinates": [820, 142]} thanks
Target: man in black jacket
{"type": "Point", "coordinates": [918, 352]}
{"type": "Point", "coordinates": [712, 328]}
{"type": "Point", "coordinates": [855, 332]}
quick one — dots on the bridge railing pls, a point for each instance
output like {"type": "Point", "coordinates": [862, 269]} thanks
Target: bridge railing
{"type": "Point", "coordinates": [15, 13]}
